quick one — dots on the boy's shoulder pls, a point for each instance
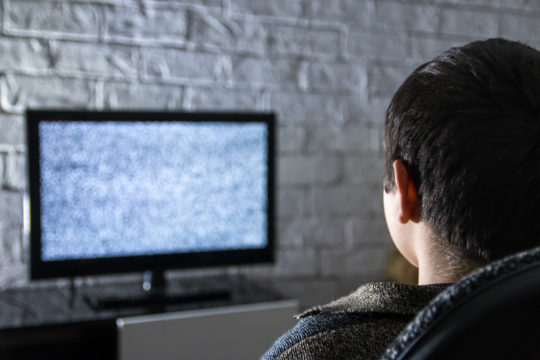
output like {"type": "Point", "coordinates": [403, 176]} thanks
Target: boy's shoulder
{"type": "Point", "coordinates": [360, 325]}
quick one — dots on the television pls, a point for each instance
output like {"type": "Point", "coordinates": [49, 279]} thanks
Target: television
{"type": "Point", "coordinates": [138, 191]}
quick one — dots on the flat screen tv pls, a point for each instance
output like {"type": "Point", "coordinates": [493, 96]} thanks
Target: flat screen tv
{"type": "Point", "coordinates": [123, 191]}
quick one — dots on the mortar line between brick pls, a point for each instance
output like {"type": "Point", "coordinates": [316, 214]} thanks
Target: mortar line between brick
{"type": "Point", "coordinates": [462, 5]}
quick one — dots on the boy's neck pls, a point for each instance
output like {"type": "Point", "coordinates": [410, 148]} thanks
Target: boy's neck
{"type": "Point", "coordinates": [428, 275]}
{"type": "Point", "coordinates": [438, 264]}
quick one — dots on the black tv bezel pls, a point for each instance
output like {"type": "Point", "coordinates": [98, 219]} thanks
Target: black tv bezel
{"type": "Point", "coordinates": [40, 269]}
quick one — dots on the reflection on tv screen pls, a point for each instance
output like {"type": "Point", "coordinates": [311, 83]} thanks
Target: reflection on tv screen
{"type": "Point", "coordinates": [135, 188]}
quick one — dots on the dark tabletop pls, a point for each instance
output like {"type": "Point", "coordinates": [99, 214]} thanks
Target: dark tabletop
{"type": "Point", "coordinates": [23, 308]}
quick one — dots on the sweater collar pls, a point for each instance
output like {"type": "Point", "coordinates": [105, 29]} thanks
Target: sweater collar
{"type": "Point", "coordinates": [381, 297]}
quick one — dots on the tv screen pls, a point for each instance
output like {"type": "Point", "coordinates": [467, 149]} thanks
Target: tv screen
{"type": "Point", "coordinates": [134, 191]}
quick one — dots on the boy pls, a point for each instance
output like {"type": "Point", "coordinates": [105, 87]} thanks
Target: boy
{"type": "Point", "coordinates": [461, 189]}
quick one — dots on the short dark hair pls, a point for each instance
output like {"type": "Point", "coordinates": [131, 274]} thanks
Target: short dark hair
{"type": "Point", "coordinates": [467, 127]}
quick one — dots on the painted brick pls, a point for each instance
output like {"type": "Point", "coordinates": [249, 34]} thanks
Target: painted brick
{"type": "Point", "coordinates": [386, 79]}
{"type": "Point", "coordinates": [23, 54]}
{"type": "Point", "coordinates": [223, 99]}
{"type": "Point", "coordinates": [11, 95]}
{"type": "Point", "coordinates": [519, 4]}
{"type": "Point", "coordinates": [358, 111]}
{"type": "Point", "coordinates": [322, 10]}
{"type": "Point", "coordinates": [290, 233]}
{"type": "Point", "coordinates": [14, 275]}
{"type": "Point", "coordinates": [293, 40]}
{"type": "Point", "coordinates": [212, 3]}
{"type": "Point", "coordinates": [498, 4]}
{"type": "Point", "coordinates": [337, 76]}
{"type": "Point", "coordinates": [308, 292]}
{"type": "Point", "coordinates": [11, 130]}
{"type": "Point", "coordinates": [291, 139]}
{"type": "Point", "coordinates": [368, 111]}
{"type": "Point", "coordinates": [303, 262]}
{"type": "Point", "coordinates": [367, 231]}
{"type": "Point", "coordinates": [264, 72]}
{"type": "Point", "coordinates": [467, 22]}
{"type": "Point", "coordinates": [323, 232]}
{"type": "Point", "coordinates": [359, 12]}
{"type": "Point", "coordinates": [15, 171]}
{"type": "Point", "coordinates": [162, 24]}
{"type": "Point", "coordinates": [352, 139]}
{"type": "Point", "coordinates": [2, 171]}
{"type": "Point", "coordinates": [344, 262]}
{"type": "Point", "coordinates": [329, 105]}
{"type": "Point", "coordinates": [10, 246]}
{"type": "Point", "coordinates": [362, 169]}
{"type": "Point", "coordinates": [53, 16]}
{"type": "Point", "coordinates": [519, 27]}
{"type": "Point", "coordinates": [290, 202]}
{"type": "Point", "coordinates": [142, 96]}
{"type": "Point", "coordinates": [180, 64]}
{"type": "Point", "coordinates": [11, 209]}
{"type": "Point", "coordinates": [379, 105]}
{"type": "Point", "coordinates": [347, 200]}
{"type": "Point", "coordinates": [214, 30]}
{"type": "Point", "coordinates": [303, 77]}
{"type": "Point", "coordinates": [108, 2]}
{"type": "Point", "coordinates": [289, 263]}
{"type": "Point", "coordinates": [296, 170]}
{"type": "Point", "coordinates": [424, 49]}
{"type": "Point", "coordinates": [94, 59]}
{"type": "Point", "coordinates": [377, 45]}
{"type": "Point", "coordinates": [419, 17]}
{"type": "Point", "coordinates": [278, 8]}
{"type": "Point", "coordinates": [294, 108]}
{"type": "Point", "coordinates": [56, 92]}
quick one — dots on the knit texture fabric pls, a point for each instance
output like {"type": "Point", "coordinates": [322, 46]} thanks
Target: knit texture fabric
{"type": "Point", "coordinates": [358, 326]}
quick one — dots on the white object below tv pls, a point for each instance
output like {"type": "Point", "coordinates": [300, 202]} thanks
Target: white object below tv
{"type": "Point", "coordinates": [235, 332]}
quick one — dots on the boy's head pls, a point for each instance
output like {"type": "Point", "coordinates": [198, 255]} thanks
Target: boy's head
{"type": "Point", "coordinates": [465, 129]}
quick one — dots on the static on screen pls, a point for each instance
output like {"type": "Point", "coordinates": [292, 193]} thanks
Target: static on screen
{"type": "Point", "coordinates": [136, 188]}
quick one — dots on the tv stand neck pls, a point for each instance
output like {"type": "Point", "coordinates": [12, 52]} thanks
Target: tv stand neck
{"type": "Point", "coordinates": [154, 281]}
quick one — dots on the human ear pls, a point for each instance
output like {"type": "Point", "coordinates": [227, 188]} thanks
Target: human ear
{"type": "Point", "coordinates": [409, 201]}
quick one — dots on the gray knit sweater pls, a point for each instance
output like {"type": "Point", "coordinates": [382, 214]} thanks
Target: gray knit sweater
{"type": "Point", "coordinates": [358, 326]}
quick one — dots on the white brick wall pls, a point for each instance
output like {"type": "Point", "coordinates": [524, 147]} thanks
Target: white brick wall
{"type": "Point", "coordinates": [327, 68]}
{"type": "Point", "coordinates": [52, 18]}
